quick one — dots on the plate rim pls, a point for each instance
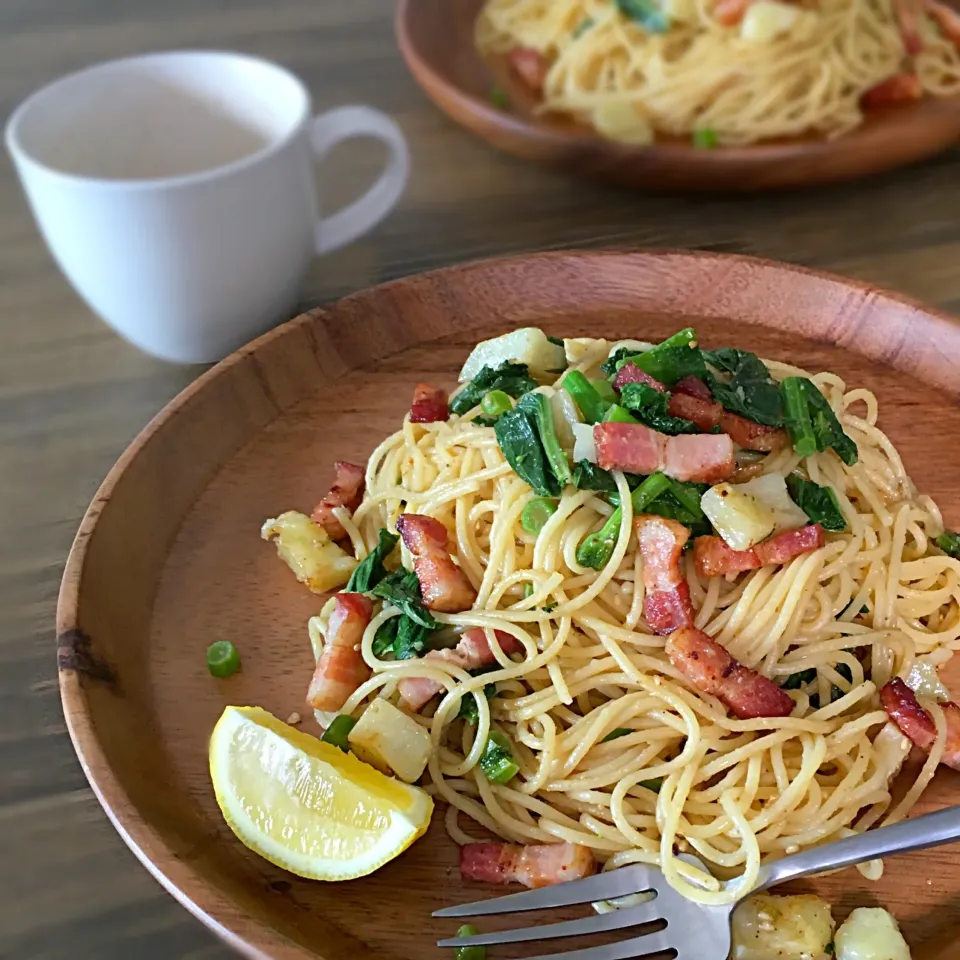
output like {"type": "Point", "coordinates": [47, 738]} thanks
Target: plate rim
{"type": "Point", "coordinates": [202, 899]}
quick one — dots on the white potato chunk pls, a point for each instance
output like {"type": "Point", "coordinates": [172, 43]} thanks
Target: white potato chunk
{"type": "Point", "coordinates": [527, 345]}
{"type": "Point", "coordinates": [781, 928]}
{"type": "Point", "coordinates": [584, 447]}
{"type": "Point", "coordinates": [924, 680]}
{"type": "Point", "coordinates": [308, 551]}
{"type": "Point", "coordinates": [871, 933]}
{"type": "Point", "coordinates": [771, 491]}
{"type": "Point", "coordinates": [390, 740]}
{"type": "Point", "coordinates": [566, 416]}
{"type": "Point", "coordinates": [741, 519]}
{"type": "Point", "coordinates": [620, 120]}
{"type": "Point", "coordinates": [892, 748]}
{"type": "Point", "coordinates": [766, 19]}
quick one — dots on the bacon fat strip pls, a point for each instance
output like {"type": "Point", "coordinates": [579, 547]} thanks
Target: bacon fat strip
{"type": "Point", "coordinates": [443, 585]}
{"type": "Point", "coordinates": [341, 667]}
{"type": "Point", "coordinates": [471, 652]}
{"type": "Point", "coordinates": [666, 600]}
{"type": "Point", "coordinates": [533, 865]}
{"type": "Point", "coordinates": [915, 723]}
{"type": "Point", "coordinates": [347, 491]}
{"type": "Point", "coordinates": [714, 558]}
{"type": "Point", "coordinates": [429, 404]}
{"type": "Point", "coordinates": [900, 88]}
{"type": "Point", "coordinates": [711, 669]}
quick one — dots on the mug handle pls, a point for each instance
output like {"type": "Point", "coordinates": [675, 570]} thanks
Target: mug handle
{"type": "Point", "coordinates": [331, 128]}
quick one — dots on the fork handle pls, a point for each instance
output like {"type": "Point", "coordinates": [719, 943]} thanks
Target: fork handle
{"type": "Point", "coordinates": [930, 830]}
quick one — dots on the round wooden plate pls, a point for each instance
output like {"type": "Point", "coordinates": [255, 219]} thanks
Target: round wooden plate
{"type": "Point", "coordinates": [436, 38]}
{"type": "Point", "coordinates": [169, 558]}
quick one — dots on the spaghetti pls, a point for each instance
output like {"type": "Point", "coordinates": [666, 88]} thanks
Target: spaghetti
{"type": "Point", "coordinates": [726, 71]}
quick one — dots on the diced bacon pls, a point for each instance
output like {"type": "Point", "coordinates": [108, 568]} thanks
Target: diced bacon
{"type": "Point", "coordinates": [791, 543]}
{"type": "Point", "coordinates": [530, 66]}
{"type": "Point", "coordinates": [347, 491]}
{"type": "Point", "coordinates": [634, 448]}
{"type": "Point", "coordinates": [341, 667]}
{"type": "Point", "coordinates": [901, 88]}
{"type": "Point", "coordinates": [908, 14]}
{"type": "Point", "coordinates": [728, 13]}
{"type": "Point", "coordinates": [704, 413]}
{"type": "Point", "coordinates": [443, 585]}
{"type": "Point", "coordinates": [631, 373]}
{"type": "Point", "coordinates": [914, 722]}
{"type": "Point", "coordinates": [630, 447]}
{"type": "Point", "coordinates": [473, 651]}
{"type": "Point", "coordinates": [751, 435]}
{"type": "Point", "coordinates": [946, 18]}
{"type": "Point", "coordinates": [429, 404]}
{"type": "Point", "coordinates": [666, 602]}
{"type": "Point", "coordinates": [533, 865]}
{"type": "Point", "coordinates": [701, 458]}
{"type": "Point", "coordinates": [711, 669]}
{"type": "Point", "coordinates": [693, 387]}
{"type": "Point", "coordinates": [714, 558]}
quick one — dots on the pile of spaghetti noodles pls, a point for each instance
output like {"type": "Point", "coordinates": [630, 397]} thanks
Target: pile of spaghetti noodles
{"type": "Point", "coordinates": [681, 775]}
{"type": "Point", "coordinates": [633, 67]}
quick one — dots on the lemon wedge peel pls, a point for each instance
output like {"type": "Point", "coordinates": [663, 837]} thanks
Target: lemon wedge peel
{"type": "Point", "coordinates": [306, 806]}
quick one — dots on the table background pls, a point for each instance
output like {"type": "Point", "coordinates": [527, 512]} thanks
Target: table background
{"type": "Point", "coordinates": [72, 394]}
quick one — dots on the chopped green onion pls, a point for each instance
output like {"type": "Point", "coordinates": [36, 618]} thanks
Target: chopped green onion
{"type": "Point", "coordinates": [469, 953]}
{"type": "Point", "coordinates": [338, 731]}
{"type": "Point", "coordinates": [616, 734]}
{"type": "Point", "coordinates": [704, 138]}
{"type": "Point", "coordinates": [536, 514]}
{"type": "Point", "coordinates": [797, 410]}
{"type": "Point", "coordinates": [617, 414]}
{"type": "Point", "coordinates": [497, 761]}
{"type": "Point", "coordinates": [222, 659]}
{"type": "Point", "coordinates": [585, 395]}
{"type": "Point", "coordinates": [499, 98]}
{"type": "Point", "coordinates": [496, 402]}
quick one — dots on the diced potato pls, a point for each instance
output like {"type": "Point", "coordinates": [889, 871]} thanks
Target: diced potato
{"type": "Point", "coordinates": [792, 928]}
{"type": "Point", "coordinates": [309, 552]}
{"type": "Point", "coordinates": [892, 749]}
{"type": "Point", "coordinates": [742, 520]}
{"type": "Point", "coordinates": [566, 417]}
{"type": "Point", "coordinates": [766, 19]}
{"type": "Point", "coordinates": [771, 490]}
{"type": "Point", "coordinates": [871, 933]}
{"type": "Point", "coordinates": [390, 740]}
{"type": "Point", "coordinates": [924, 680]}
{"type": "Point", "coordinates": [527, 345]}
{"type": "Point", "coordinates": [584, 447]}
{"type": "Point", "coordinates": [578, 349]}
{"type": "Point", "coordinates": [620, 120]}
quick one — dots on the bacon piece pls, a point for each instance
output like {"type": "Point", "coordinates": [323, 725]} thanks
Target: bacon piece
{"type": "Point", "coordinates": [747, 471]}
{"type": "Point", "coordinates": [946, 18]}
{"type": "Point", "coordinates": [341, 667]}
{"type": "Point", "coordinates": [714, 558]}
{"type": "Point", "coordinates": [631, 373]}
{"type": "Point", "coordinates": [530, 66]}
{"type": "Point", "coordinates": [634, 448]}
{"type": "Point", "coordinates": [443, 585]}
{"type": "Point", "coordinates": [791, 543]}
{"type": "Point", "coordinates": [693, 387]}
{"type": "Point", "coordinates": [704, 413]}
{"type": "Point", "coordinates": [666, 601]}
{"type": "Point", "coordinates": [908, 14]}
{"type": "Point", "coordinates": [429, 404]}
{"type": "Point", "coordinates": [347, 491]}
{"type": "Point", "coordinates": [710, 668]}
{"type": "Point", "coordinates": [533, 865]}
{"type": "Point", "coordinates": [914, 722]}
{"type": "Point", "coordinates": [901, 88]}
{"type": "Point", "coordinates": [751, 435]}
{"type": "Point", "coordinates": [702, 458]}
{"type": "Point", "coordinates": [471, 652]}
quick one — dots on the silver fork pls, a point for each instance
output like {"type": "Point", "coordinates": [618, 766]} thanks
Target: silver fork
{"type": "Point", "coordinates": [694, 931]}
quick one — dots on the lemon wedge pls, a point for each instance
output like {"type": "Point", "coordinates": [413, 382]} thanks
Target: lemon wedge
{"type": "Point", "coordinates": [306, 806]}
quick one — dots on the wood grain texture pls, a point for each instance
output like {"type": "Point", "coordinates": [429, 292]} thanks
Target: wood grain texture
{"type": "Point", "coordinates": [436, 38]}
{"type": "Point", "coordinates": [73, 395]}
{"type": "Point", "coordinates": [169, 557]}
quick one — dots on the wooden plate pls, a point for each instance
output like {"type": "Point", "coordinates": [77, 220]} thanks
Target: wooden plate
{"type": "Point", "coordinates": [169, 558]}
{"type": "Point", "coordinates": [436, 40]}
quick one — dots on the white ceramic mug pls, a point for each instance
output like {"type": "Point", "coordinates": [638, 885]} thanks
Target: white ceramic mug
{"type": "Point", "coordinates": [176, 192]}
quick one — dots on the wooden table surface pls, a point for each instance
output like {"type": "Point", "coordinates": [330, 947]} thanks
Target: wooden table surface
{"type": "Point", "coordinates": [72, 394]}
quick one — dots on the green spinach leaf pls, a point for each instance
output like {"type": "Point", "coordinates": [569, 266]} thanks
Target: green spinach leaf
{"type": "Point", "coordinates": [371, 569]}
{"type": "Point", "coordinates": [751, 392]}
{"type": "Point", "coordinates": [588, 476]}
{"type": "Point", "coordinates": [949, 543]}
{"type": "Point", "coordinates": [820, 504]}
{"type": "Point", "coordinates": [646, 13]}
{"type": "Point", "coordinates": [519, 440]}
{"type": "Point", "coordinates": [402, 589]}
{"type": "Point", "coordinates": [537, 406]}
{"type": "Point", "coordinates": [649, 406]}
{"type": "Point", "coordinates": [512, 378]}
